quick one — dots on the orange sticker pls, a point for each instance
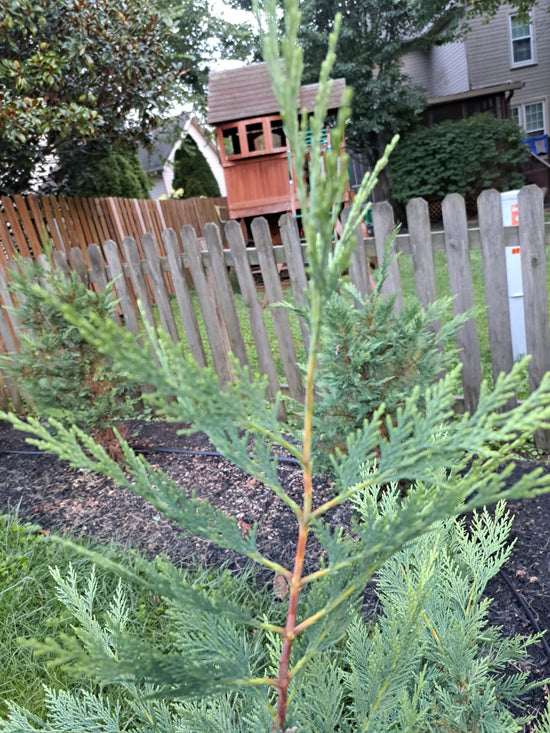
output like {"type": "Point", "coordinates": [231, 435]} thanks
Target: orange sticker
{"type": "Point", "coordinates": [515, 215]}
{"type": "Point", "coordinates": [515, 250]}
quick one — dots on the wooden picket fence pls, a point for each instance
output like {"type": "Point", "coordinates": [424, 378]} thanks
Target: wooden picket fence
{"type": "Point", "coordinates": [148, 270]}
{"type": "Point", "coordinates": [26, 222]}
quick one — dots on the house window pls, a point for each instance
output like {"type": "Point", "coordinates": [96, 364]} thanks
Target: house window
{"type": "Point", "coordinates": [534, 119]}
{"type": "Point", "coordinates": [521, 37]}
{"type": "Point", "coordinates": [531, 118]}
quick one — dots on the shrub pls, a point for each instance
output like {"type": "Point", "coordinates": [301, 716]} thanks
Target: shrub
{"type": "Point", "coordinates": [192, 173]}
{"type": "Point", "coordinates": [96, 171]}
{"type": "Point", "coordinates": [428, 661]}
{"type": "Point", "coordinates": [220, 645]}
{"type": "Point", "coordinates": [64, 375]}
{"type": "Point", "coordinates": [374, 356]}
{"type": "Point", "coordinates": [464, 156]}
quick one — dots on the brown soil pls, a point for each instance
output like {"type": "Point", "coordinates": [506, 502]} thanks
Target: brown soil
{"type": "Point", "coordinates": [50, 493]}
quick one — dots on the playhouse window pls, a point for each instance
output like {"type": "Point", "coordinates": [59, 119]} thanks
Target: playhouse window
{"type": "Point", "coordinates": [278, 134]}
{"type": "Point", "coordinates": [231, 142]}
{"type": "Point", "coordinates": [255, 137]}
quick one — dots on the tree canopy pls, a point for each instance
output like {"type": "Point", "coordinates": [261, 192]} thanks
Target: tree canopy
{"type": "Point", "coordinates": [92, 75]}
{"type": "Point", "coordinates": [373, 37]}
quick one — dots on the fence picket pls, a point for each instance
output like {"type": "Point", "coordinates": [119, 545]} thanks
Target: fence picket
{"type": "Point", "coordinates": [78, 263]}
{"type": "Point", "coordinates": [249, 293]}
{"type": "Point", "coordinates": [17, 232]}
{"type": "Point", "coordinates": [294, 254]}
{"type": "Point", "coordinates": [32, 237]}
{"type": "Point", "coordinates": [183, 297]}
{"type": "Point", "coordinates": [491, 235]}
{"type": "Point", "coordinates": [158, 285]}
{"type": "Point", "coordinates": [533, 270]}
{"type": "Point", "coordinates": [9, 324]}
{"type": "Point", "coordinates": [137, 278]}
{"type": "Point", "coordinates": [418, 221]}
{"type": "Point", "coordinates": [215, 328]}
{"type": "Point", "coordinates": [460, 277]}
{"type": "Point", "coordinates": [98, 274]}
{"type": "Point", "coordinates": [225, 293]}
{"type": "Point", "coordinates": [60, 262]}
{"type": "Point", "coordinates": [116, 274]}
{"type": "Point", "coordinates": [384, 225]}
{"type": "Point", "coordinates": [359, 267]}
{"type": "Point", "coordinates": [274, 293]}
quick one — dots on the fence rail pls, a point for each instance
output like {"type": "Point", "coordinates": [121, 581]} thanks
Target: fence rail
{"type": "Point", "coordinates": [165, 276]}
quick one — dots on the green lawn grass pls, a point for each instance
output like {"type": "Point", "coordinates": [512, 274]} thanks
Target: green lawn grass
{"type": "Point", "coordinates": [29, 608]}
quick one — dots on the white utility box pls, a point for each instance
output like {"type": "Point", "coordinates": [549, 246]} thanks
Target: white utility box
{"type": "Point", "coordinates": [510, 217]}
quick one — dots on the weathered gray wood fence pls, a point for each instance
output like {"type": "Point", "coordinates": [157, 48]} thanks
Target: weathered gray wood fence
{"type": "Point", "coordinates": [202, 265]}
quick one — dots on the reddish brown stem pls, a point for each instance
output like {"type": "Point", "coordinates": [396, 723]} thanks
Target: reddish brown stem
{"type": "Point", "coordinates": [284, 677]}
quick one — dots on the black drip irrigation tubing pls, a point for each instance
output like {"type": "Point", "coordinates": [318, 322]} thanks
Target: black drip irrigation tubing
{"type": "Point", "coordinates": [282, 459]}
{"type": "Point", "coordinates": [143, 449]}
{"type": "Point", "coordinates": [533, 621]}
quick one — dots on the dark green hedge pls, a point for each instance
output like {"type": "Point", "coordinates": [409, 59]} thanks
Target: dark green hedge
{"type": "Point", "coordinates": [192, 172]}
{"type": "Point", "coordinates": [116, 171]}
{"type": "Point", "coordinates": [464, 156]}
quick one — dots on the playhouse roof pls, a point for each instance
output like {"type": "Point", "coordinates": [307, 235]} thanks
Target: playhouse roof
{"type": "Point", "coordinates": [239, 94]}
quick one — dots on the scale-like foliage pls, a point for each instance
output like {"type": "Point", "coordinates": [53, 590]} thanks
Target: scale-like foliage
{"type": "Point", "coordinates": [64, 375]}
{"type": "Point", "coordinates": [429, 659]}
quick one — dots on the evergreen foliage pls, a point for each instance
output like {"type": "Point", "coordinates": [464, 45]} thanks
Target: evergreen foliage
{"type": "Point", "coordinates": [99, 170]}
{"type": "Point", "coordinates": [63, 375]}
{"type": "Point", "coordinates": [429, 660]}
{"type": "Point", "coordinates": [374, 356]}
{"type": "Point", "coordinates": [237, 670]}
{"type": "Point", "coordinates": [462, 156]}
{"type": "Point", "coordinates": [192, 173]}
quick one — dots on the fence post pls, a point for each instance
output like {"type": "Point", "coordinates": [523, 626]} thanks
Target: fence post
{"type": "Point", "coordinates": [460, 277]}
{"type": "Point", "coordinates": [533, 270]}
{"type": "Point", "coordinates": [493, 258]}
{"type": "Point", "coordinates": [383, 222]}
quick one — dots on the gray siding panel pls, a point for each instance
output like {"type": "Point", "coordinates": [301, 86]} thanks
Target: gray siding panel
{"type": "Point", "coordinates": [449, 69]}
{"type": "Point", "coordinates": [416, 64]}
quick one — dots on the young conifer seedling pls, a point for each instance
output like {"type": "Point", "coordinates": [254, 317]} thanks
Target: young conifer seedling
{"type": "Point", "coordinates": [287, 669]}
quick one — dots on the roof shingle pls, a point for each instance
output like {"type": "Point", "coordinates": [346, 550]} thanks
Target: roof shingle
{"type": "Point", "coordinates": [240, 94]}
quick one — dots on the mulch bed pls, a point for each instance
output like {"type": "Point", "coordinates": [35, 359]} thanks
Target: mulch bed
{"type": "Point", "coordinates": [50, 493]}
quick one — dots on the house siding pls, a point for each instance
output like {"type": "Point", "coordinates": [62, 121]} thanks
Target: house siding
{"type": "Point", "coordinates": [416, 65]}
{"type": "Point", "coordinates": [490, 62]}
{"type": "Point", "coordinates": [440, 71]}
{"type": "Point", "coordinates": [449, 70]}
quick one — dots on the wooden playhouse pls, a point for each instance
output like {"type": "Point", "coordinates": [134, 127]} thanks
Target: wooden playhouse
{"type": "Point", "coordinates": [255, 157]}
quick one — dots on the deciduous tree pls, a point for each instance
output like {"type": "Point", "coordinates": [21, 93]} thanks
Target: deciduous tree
{"type": "Point", "coordinates": [92, 75]}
